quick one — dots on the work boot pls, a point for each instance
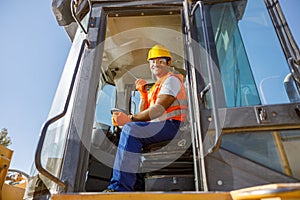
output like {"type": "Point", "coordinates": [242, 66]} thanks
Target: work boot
{"type": "Point", "coordinates": [109, 190]}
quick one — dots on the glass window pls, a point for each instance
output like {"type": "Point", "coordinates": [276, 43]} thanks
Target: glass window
{"type": "Point", "coordinates": [238, 82]}
{"type": "Point", "coordinates": [105, 102]}
{"type": "Point", "coordinates": [135, 102]}
{"type": "Point", "coordinates": [249, 56]}
{"type": "Point", "coordinates": [52, 152]}
{"type": "Point", "coordinates": [259, 147]}
{"type": "Point", "coordinates": [291, 145]}
{"type": "Point", "coordinates": [264, 51]}
{"type": "Point", "coordinates": [276, 150]}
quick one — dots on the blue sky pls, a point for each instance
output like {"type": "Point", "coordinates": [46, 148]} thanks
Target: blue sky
{"type": "Point", "coordinates": [33, 52]}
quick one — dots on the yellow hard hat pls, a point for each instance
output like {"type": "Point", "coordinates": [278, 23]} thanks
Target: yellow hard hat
{"type": "Point", "coordinates": [158, 51]}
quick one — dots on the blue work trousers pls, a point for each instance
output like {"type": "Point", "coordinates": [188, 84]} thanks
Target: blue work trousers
{"type": "Point", "coordinates": [134, 136]}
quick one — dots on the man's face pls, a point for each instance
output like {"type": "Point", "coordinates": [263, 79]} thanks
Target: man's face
{"type": "Point", "coordinates": [159, 67]}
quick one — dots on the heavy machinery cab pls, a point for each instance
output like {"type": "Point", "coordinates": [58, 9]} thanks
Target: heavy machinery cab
{"type": "Point", "coordinates": [241, 72]}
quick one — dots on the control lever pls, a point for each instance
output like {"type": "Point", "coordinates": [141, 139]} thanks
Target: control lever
{"type": "Point", "coordinates": [118, 110]}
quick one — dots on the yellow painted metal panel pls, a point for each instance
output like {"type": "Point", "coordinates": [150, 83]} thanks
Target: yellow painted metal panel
{"type": "Point", "coordinates": [10, 192]}
{"type": "Point", "coordinates": [284, 191]}
{"type": "Point", "coordinates": [145, 196]}
{"type": "Point", "coordinates": [5, 158]}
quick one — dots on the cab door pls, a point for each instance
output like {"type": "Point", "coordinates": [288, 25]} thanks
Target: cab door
{"type": "Point", "coordinates": [62, 153]}
{"type": "Point", "coordinates": [206, 93]}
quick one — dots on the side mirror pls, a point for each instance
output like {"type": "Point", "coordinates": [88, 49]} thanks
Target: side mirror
{"type": "Point", "coordinates": [291, 89]}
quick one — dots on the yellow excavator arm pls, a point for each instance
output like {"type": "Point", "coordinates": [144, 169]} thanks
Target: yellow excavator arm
{"type": "Point", "coordinates": [9, 191]}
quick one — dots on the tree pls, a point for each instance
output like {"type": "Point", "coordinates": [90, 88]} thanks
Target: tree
{"type": "Point", "coordinates": [4, 139]}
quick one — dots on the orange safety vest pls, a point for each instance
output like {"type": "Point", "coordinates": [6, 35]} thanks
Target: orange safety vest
{"type": "Point", "coordinates": [178, 109]}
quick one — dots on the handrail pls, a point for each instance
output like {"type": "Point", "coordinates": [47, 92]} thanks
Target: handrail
{"type": "Point", "coordinates": [195, 8]}
{"type": "Point", "coordinates": [38, 153]}
{"type": "Point", "coordinates": [211, 84]}
{"type": "Point", "coordinates": [73, 4]}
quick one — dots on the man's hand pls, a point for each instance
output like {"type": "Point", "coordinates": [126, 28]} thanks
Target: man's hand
{"type": "Point", "coordinates": [120, 119]}
{"type": "Point", "coordinates": [140, 85]}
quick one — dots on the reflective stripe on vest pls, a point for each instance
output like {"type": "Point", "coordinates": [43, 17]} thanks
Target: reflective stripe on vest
{"type": "Point", "coordinates": [178, 109]}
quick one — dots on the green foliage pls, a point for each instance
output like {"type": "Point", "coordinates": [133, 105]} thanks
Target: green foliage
{"type": "Point", "coordinates": [4, 139]}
